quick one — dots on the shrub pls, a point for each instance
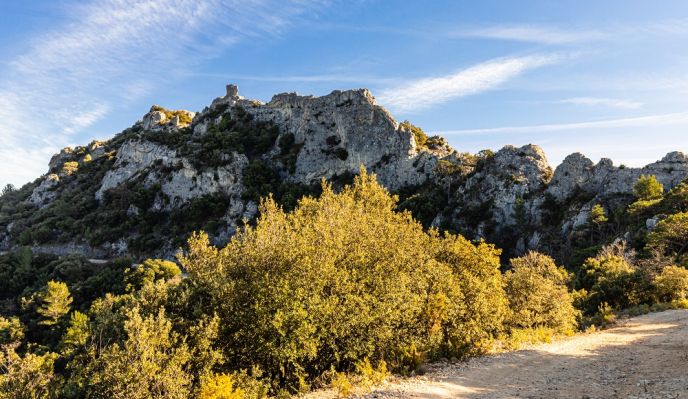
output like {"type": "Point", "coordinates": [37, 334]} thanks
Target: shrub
{"type": "Point", "coordinates": [671, 284]}
{"type": "Point", "coordinates": [149, 363]}
{"type": "Point", "coordinates": [219, 386]}
{"type": "Point", "coordinates": [70, 167]}
{"type": "Point", "coordinates": [538, 296]}
{"type": "Point", "coordinates": [670, 237]}
{"type": "Point", "coordinates": [150, 271]}
{"type": "Point", "coordinates": [343, 278]}
{"type": "Point", "coordinates": [28, 377]}
{"type": "Point", "coordinates": [648, 188]}
{"type": "Point", "coordinates": [611, 280]}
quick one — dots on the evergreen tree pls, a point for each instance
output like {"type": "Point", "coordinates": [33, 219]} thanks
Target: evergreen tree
{"type": "Point", "coordinates": [54, 303]}
{"type": "Point", "coordinates": [647, 188]}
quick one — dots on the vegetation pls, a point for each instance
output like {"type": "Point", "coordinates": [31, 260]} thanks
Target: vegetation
{"type": "Point", "coordinates": [538, 294]}
{"type": "Point", "coordinates": [418, 134]}
{"type": "Point", "coordinates": [331, 285]}
{"type": "Point", "coordinates": [343, 288]}
{"type": "Point", "coordinates": [648, 188]}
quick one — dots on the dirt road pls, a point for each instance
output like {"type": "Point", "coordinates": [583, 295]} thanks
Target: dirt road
{"type": "Point", "coordinates": [645, 357]}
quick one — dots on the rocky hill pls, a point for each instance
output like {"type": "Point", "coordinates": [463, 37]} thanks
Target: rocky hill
{"type": "Point", "coordinates": [143, 191]}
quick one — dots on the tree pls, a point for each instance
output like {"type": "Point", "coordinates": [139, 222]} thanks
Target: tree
{"type": "Point", "coordinates": [28, 377]}
{"type": "Point", "coordinates": [647, 188]}
{"type": "Point", "coordinates": [150, 271]}
{"type": "Point", "coordinates": [670, 237]}
{"type": "Point", "coordinates": [77, 333]}
{"type": "Point", "coordinates": [150, 364]}
{"type": "Point", "coordinates": [9, 188]}
{"type": "Point", "coordinates": [54, 303]}
{"type": "Point", "coordinates": [597, 217]}
{"type": "Point", "coordinates": [538, 295]}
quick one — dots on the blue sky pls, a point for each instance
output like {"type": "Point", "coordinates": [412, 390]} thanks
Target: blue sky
{"type": "Point", "coordinates": [608, 79]}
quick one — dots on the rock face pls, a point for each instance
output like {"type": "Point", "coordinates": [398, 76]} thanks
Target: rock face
{"type": "Point", "coordinates": [512, 177]}
{"type": "Point", "coordinates": [132, 158]}
{"type": "Point", "coordinates": [43, 194]}
{"type": "Point", "coordinates": [509, 194]}
{"type": "Point", "coordinates": [579, 173]}
{"type": "Point", "coordinates": [338, 133]}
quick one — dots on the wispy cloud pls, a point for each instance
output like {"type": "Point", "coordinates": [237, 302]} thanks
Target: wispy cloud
{"type": "Point", "coordinates": [568, 35]}
{"type": "Point", "coordinates": [108, 53]}
{"type": "Point", "coordinates": [535, 34]}
{"type": "Point", "coordinates": [677, 118]}
{"type": "Point", "coordinates": [603, 102]}
{"type": "Point", "coordinates": [426, 92]}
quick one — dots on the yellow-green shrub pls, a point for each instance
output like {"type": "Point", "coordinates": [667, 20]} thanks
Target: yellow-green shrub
{"type": "Point", "coordinates": [343, 278]}
{"type": "Point", "coordinates": [671, 284]}
{"type": "Point", "coordinates": [538, 295]}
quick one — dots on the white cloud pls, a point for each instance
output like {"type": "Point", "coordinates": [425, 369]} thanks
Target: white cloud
{"type": "Point", "coordinates": [604, 102]}
{"type": "Point", "coordinates": [426, 92]}
{"type": "Point", "coordinates": [108, 53]}
{"type": "Point", "coordinates": [659, 120]}
{"type": "Point", "coordinates": [535, 34]}
{"type": "Point", "coordinates": [557, 35]}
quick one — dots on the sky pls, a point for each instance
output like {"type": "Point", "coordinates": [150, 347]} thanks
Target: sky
{"type": "Point", "coordinates": [604, 78]}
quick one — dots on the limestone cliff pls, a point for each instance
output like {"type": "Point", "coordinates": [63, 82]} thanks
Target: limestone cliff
{"type": "Point", "coordinates": [174, 172]}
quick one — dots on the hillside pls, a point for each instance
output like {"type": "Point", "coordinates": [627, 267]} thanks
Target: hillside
{"type": "Point", "coordinates": [144, 191]}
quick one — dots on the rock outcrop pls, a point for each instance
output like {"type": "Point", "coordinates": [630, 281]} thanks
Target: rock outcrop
{"type": "Point", "coordinates": [178, 157]}
{"type": "Point", "coordinates": [338, 133]}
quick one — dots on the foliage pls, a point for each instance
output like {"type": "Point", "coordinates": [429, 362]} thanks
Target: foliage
{"type": "Point", "coordinates": [598, 215]}
{"type": "Point", "coordinates": [647, 188]}
{"type": "Point", "coordinates": [672, 284]}
{"type": "Point", "coordinates": [11, 331]}
{"type": "Point", "coordinates": [9, 188]}
{"type": "Point", "coordinates": [149, 364]}
{"type": "Point", "coordinates": [219, 386]}
{"type": "Point", "coordinates": [54, 303]}
{"type": "Point", "coordinates": [343, 278]}
{"type": "Point", "coordinates": [609, 280]}
{"type": "Point", "coordinates": [70, 167]}
{"type": "Point", "coordinates": [538, 294]}
{"type": "Point", "coordinates": [150, 271]}
{"type": "Point", "coordinates": [670, 237]}
{"type": "Point", "coordinates": [27, 377]}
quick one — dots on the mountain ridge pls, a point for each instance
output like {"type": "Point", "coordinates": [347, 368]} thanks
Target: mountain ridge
{"type": "Point", "coordinates": [207, 170]}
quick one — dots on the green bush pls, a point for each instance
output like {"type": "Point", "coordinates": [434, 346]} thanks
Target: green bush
{"type": "Point", "coordinates": [648, 188]}
{"type": "Point", "coordinates": [344, 278]}
{"type": "Point", "coordinates": [671, 284]}
{"type": "Point", "coordinates": [611, 280]}
{"type": "Point", "coordinates": [670, 237]}
{"type": "Point", "coordinates": [538, 295]}
{"type": "Point", "coordinates": [149, 271]}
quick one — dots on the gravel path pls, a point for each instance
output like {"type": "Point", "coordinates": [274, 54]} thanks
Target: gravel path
{"type": "Point", "coordinates": [645, 357]}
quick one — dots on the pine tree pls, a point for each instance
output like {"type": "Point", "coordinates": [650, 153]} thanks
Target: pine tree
{"type": "Point", "coordinates": [55, 302]}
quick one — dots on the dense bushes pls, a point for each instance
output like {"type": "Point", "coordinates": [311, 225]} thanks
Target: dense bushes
{"type": "Point", "coordinates": [538, 294]}
{"type": "Point", "coordinates": [344, 278]}
{"type": "Point", "coordinates": [341, 283]}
